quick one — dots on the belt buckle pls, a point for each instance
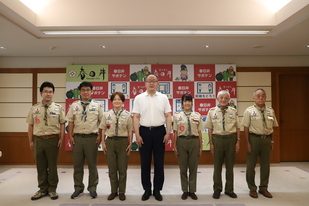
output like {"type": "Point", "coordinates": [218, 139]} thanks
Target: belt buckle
{"type": "Point", "coordinates": [151, 128]}
{"type": "Point", "coordinates": [264, 136]}
{"type": "Point", "coordinates": [45, 136]}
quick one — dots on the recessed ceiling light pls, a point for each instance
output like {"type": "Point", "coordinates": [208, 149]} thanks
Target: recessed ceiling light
{"type": "Point", "coordinates": [307, 46]}
{"type": "Point", "coordinates": [206, 46]}
{"type": "Point", "coordinates": [158, 32]}
{"type": "Point", "coordinates": [3, 47]}
{"type": "Point", "coordinates": [103, 46]}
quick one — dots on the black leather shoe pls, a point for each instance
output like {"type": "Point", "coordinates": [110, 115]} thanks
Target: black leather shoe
{"type": "Point", "coordinates": [231, 194]}
{"type": "Point", "coordinates": [93, 194]}
{"type": "Point", "coordinates": [216, 194]}
{"type": "Point", "coordinates": [157, 195]}
{"type": "Point", "coordinates": [76, 194]}
{"type": "Point", "coordinates": [146, 195]}
{"type": "Point", "coordinates": [184, 195]}
{"type": "Point", "coordinates": [193, 195]}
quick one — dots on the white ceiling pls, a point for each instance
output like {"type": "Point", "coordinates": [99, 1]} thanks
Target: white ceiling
{"type": "Point", "coordinates": [21, 29]}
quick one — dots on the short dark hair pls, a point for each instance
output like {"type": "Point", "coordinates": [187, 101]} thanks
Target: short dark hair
{"type": "Point", "coordinates": [120, 94]}
{"type": "Point", "coordinates": [47, 84]}
{"type": "Point", "coordinates": [186, 97]}
{"type": "Point", "coordinates": [85, 84]}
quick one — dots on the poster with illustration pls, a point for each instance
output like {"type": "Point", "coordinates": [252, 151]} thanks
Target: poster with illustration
{"type": "Point", "coordinates": [202, 81]}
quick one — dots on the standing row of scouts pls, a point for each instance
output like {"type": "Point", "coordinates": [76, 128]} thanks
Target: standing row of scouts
{"type": "Point", "coordinates": [88, 126]}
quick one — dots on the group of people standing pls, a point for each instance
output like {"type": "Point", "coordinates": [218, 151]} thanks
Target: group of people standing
{"type": "Point", "coordinates": [89, 125]}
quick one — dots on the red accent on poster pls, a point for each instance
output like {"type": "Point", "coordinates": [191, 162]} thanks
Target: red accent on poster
{"type": "Point", "coordinates": [204, 72]}
{"type": "Point", "coordinates": [119, 73]}
{"type": "Point", "coordinates": [136, 88]}
{"type": "Point", "coordinates": [100, 90]}
{"type": "Point", "coordinates": [202, 106]}
{"type": "Point", "coordinates": [229, 86]}
{"type": "Point", "coordinates": [181, 88]}
{"type": "Point", "coordinates": [164, 72]}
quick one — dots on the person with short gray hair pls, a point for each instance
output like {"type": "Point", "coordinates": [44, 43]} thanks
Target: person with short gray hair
{"type": "Point", "coordinates": [223, 131]}
{"type": "Point", "coordinates": [259, 121]}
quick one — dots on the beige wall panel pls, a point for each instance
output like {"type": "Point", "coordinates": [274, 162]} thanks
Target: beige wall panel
{"type": "Point", "coordinates": [13, 125]}
{"type": "Point", "coordinates": [59, 95]}
{"type": "Point", "coordinates": [258, 79]}
{"type": "Point", "coordinates": [15, 109]}
{"type": "Point", "coordinates": [246, 93]}
{"type": "Point", "coordinates": [16, 95]}
{"type": "Point", "coordinates": [59, 80]}
{"type": "Point", "coordinates": [242, 106]}
{"type": "Point", "coordinates": [15, 80]}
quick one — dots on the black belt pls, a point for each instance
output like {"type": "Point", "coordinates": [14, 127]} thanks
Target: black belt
{"type": "Point", "coordinates": [188, 137]}
{"type": "Point", "coordinates": [224, 136]}
{"type": "Point", "coordinates": [261, 136]}
{"type": "Point", "coordinates": [85, 134]}
{"type": "Point", "coordinates": [117, 137]}
{"type": "Point", "coordinates": [152, 128]}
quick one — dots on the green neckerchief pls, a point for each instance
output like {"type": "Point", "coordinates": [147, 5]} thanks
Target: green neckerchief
{"type": "Point", "coordinates": [117, 114]}
{"type": "Point", "coordinates": [261, 110]}
{"type": "Point", "coordinates": [45, 113]}
{"type": "Point", "coordinates": [223, 116]}
{"type": "Point", "coordinates": [84, 112]}
{"type": "Point", "coordinates": [189, 123]}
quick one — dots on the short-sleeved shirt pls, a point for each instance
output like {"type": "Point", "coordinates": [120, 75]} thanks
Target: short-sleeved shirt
{"type": "Point", "coordinates": [253, 119]}
{"type": "Point", "coordinates": [180, 123]}
{"type": "Point", "coordinates": [55, 117]}
{"type": "Point", "coordinates": [82, 124]}
{"type": "Point", "coordinates": [151, 108]}
{"type": "Point", "coordinates": [214, 121]}
{"type": "Point", "coordinates": [109, 123]}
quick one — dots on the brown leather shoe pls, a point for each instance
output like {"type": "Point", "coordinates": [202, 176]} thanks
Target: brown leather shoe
{"type": "Point", "coordinates": [193, 195]}
{"type": "Point", "coordinates": [112, 196]}
{"type": "Point", "coordinates": [253, 194]}
{"type": "Point", "coordinates": [122, 196]}
{"type": "Point", "coordinates": [184, 196]}
{"type": "Point", "coordinates": [265, 193]}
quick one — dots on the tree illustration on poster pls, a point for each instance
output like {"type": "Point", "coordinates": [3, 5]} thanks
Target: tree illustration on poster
{"type": "Point", "coordinates": [202, 81]}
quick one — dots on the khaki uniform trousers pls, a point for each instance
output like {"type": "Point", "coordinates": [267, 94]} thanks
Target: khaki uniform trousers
{"type": "Point", "coordinates": [85, 147]}
{"type": "Point", "coordinates": [260, 147]}
{"type": "Point", "coordinates": [117, 161]}
{"type": "Point", "coordinates": [224, 153]}
{"type": "Point", "coordinates": [46, 158]}
{"type": "Point", "coordinates": [188, 157]}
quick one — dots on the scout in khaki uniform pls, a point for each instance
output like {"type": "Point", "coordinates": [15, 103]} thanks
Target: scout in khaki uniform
{"type": "Point", "coordinates": [258, 122]}
{"type": "Point", "coordinates": [223, 131]}
{"type": "Point", "coordinates": [46, 131]}
{"type": "Point", "coordinates": [187, 126]}
{"type": "Point", "coordinates": [84, 117]}
{"type": "Point", "coordinates": [117, 125]}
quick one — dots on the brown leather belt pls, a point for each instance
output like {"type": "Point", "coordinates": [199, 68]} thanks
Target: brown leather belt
{"type": "Point", "coordinates": [261, 136]}
{"type": "Point", "coordinates": [48, 136]}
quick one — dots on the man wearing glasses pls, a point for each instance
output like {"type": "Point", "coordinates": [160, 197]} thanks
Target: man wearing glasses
{"type": "Point", "coordinates": [151, 111]}
{"type": "Point", "coordinates": [84, 117]}
{"type": "Point", "coordinates": [46, 131]}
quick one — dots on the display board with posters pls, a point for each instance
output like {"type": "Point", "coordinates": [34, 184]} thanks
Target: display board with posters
{"type": "Point", "coordinates": [202, 81]}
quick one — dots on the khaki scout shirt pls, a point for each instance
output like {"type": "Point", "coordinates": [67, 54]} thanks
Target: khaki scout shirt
{"type": "Point", "coordinates": [254, 120]}
{"type": "Point", "coordinates": [125, 123]}
{"type": "Point", "coordinates": [214, 121]}
{"type": "Point", "coordinates": [55, 117]}
{"type": "Point", "coordinates": [180, 123]}
{"type": "Point", "coordinates": [94, 113]}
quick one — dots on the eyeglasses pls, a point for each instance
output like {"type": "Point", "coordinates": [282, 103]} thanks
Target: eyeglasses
{"type": "Point", "coordinates": [47, 92]}
{"type": "Point", "coordinates": [151, 81]}
{"type": "Point", "coordinates": [85, 90]}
